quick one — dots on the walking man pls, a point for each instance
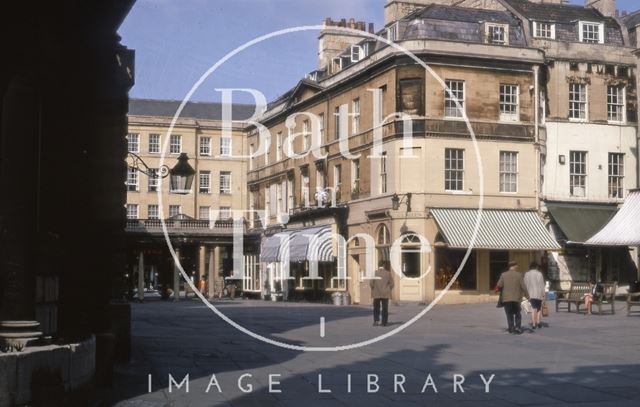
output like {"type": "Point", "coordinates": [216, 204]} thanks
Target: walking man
{"type": "Point", "coordinates": [381, 288]}
{"type": "Point", "coordinates": [511, 283]}
{"type": "Point", "coordinates": [534, 281]}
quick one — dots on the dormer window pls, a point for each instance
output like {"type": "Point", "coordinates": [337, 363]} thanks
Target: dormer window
{"type": "Point", "coordinates": [544, 30]}
{"type": "Point", "coordinates": [592, 33]}
{"type": "Point", "coordinates": [357, 53]}
{"type": "Point", "coordinates": [497, 34]}
{"type": "Point", "coordinates": [336, 64]}
{"type": "Point", "coordinates": [392, 32]}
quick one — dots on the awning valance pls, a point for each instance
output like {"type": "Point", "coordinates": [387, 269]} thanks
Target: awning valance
{"type": "Point", "coordinates": [578, 222]}
{"type": "Point", "coordinates": [275, 246]}
{"type": "Point", "coordinates": [312, 244]}
{"type": "Point", "coordinates": [499, 229]}
{"type": "Point", "coordinates": [624, 228]}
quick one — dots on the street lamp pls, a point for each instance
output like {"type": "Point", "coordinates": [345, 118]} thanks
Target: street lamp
{"type": "Point", "coordinates": [396, 201]}
{"type": "Point", "coordinates": [181, 175]}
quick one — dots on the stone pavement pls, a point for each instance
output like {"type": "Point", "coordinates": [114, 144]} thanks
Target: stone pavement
{"type": "Point", "coordinates": [577, 360]}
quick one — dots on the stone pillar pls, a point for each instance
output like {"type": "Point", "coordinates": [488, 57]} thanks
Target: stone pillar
{"type": "Point", "coordinates": [216, 266]}
{"type": "Point", "coordinates": [176, 277]}
{"type": "Point", "coordinates": [201, 262]}
{"type": "Point", "coordinates": [211, 279]}
{"type": "Point", "coordinates": [141, 276]}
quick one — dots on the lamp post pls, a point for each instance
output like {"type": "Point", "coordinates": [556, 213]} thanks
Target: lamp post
{"type": "Point", "coordinates": [397, 200]}
{"type": "Point", "coordinates": [181, 175]}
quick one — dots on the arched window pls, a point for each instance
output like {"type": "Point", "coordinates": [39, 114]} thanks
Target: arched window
{"type": "Point", "coordinates": [383, 235]}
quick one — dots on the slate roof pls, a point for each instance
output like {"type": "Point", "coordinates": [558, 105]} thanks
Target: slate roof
{"type": "Point", "coordinates": [193, 110]}
{"type": "Point", "coordinates": [470, 15]}
{"type": "Point", "coordinates": [562, 13]}
{"type": "Point", "coordinates": [632, 20]}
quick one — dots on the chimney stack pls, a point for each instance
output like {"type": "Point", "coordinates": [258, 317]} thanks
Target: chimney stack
{"type": "Point", "coordinates": [332, 43]}
{"type": "Point", "coordinates": [606, 7]}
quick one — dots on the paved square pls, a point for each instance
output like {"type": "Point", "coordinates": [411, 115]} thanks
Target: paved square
{"type": "Point", "coordinates": [576, 360]}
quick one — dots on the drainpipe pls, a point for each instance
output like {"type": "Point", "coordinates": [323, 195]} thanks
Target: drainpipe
{"type": "Point", "coordinates": [536, 97]}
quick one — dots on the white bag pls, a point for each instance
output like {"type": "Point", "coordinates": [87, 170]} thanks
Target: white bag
{"type": "Point", "coordinates": [526, 306]}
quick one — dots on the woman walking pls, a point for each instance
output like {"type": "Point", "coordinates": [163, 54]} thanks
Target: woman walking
{"type": "Point", "coordinates": [534, 281]}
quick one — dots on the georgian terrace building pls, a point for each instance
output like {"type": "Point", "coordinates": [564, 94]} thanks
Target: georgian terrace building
{"type": "Point", "coordinates": [483, 58]}
{"type": "Point", "coordinates": [590, 116]}
{"type": "Point", "coordinates": [198, 222]}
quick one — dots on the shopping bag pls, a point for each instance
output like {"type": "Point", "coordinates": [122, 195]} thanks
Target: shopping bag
{"type": "Point", "coordinates": [545, 309]}
{"type": "Point", "coordinates": [526, 306]}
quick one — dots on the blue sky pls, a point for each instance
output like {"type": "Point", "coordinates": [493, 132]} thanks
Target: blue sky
{"type": "Point", "coordinates": [176, 41]}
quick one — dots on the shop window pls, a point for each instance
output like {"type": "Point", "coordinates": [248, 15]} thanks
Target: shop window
{"type": "Point", "coordinates": [447, 263]}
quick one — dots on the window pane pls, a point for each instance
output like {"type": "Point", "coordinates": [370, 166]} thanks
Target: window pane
{"type": "Point", "coordinates": [578, 173]}
{"type": "Point", "coordinates": [453, 169]}
{"type": "Point", "coordinates": [452, 98]}
{"type": "Point", "coordinates": [154, 143]}
{"type": "Point", "coordinates": [616, 175]}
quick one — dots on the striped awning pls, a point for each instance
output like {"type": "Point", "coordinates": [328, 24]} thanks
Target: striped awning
{"type": "Point", "coordinates": [274, 247]}
{"type": "Point", "coordinates": [624, 228]}
{"type": "Point", "coordinates": [314, 244]}
{"type": "Point", "coordinates": [499, 229]}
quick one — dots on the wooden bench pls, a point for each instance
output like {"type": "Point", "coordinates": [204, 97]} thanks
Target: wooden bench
{"type": "Point", "coordinates": [575, 295]}
{"type": "Point", "coordinates": [633, 300]}
{"type": "Point", "coordinates": [606, 297]}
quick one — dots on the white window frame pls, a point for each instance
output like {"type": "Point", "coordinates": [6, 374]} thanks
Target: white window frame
{"type": "Point", "coordinates": [574, 174]}
{"type": "Point", "coordinates": [508, 171]}
{"type": "Point", "coordinates": [621, 104]}
{"type": "Point", "coordinates": [453, 174]}
{"type": "Point", "coordinates": [279, 146]}
{"type": "Point", "coordinates": [153, 182]}
{"type": "Point", "coordinates": [392, 32]}
{"type": "Point", "coordinates": [336, 64]}
{"type": "Point", "coordinates": [175, 144]}
{"type": "Point", "coordinates": [204, 182]}
{"type": "Point", "coordinates": [205, 146]}
{"type": "Point", "coordinates": [584, 102]}
{"type": "Point", "coordinates": [616, 178]}
{"type": "Point", "coordinates": [226, 145]}
{"type": "Point", "coordinates": [357, 53]}
{"type": "Point", "coordinates": [252, 158]}
{"type": "Point", "coordinates": [153, 211]}
{"type": "Point", "coordinates": [488, 32]}
{"type": "Point", "coordinates": [133, 211]}
{"type": "Point", "coordinates": [155, 141]}
{"type": "Point", "coordinates": [448, 99]}
{"type": "Point", "coordinates": [537, 30]}
{"type": "Point", "coordinates": [133, 180]}
{"type": "Point", "coordinates": [506, 116]}
{"type": "Point", "coordinates": [306, 133]}
{"type": "Point", "coordinates": [336, 113]}
{"type": "Point", "coordinates": [133, 142]}
{"type": "Point", "coordinates": [581, 27]}
{"type": "Point", "coordinates": [337, 178]}
{"type": "Point", "coordinates": [175, 210]}
{"type": "Point", "coordinates": [355, 174]}
{"type": "Point", "coordinates": [204, 213]}
{"type": "Point", "coordinates": [321, 130]}
{"type": "Point", "coordinates": [224, 213]}
{"type": "Point", "coordinates": [355, 118]}
{"type": "Point", "coordinates": [225, 178]}
{"type": "Point", "coordinates": [384, 187]}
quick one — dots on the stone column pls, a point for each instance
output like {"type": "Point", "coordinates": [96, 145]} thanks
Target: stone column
{"type": "Point", "coordinates": [176, 277]}
{"type": "Point", "coordinates": [141, 276]}
{"type": "Point", "coordinates": [211, 279]}
{"type": "Point", "coordinates": [201, 270]}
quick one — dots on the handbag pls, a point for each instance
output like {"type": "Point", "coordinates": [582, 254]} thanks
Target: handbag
{"type": "Point", "coordinates": [500, 304]}
{"type": "Point", "coordinates": [545, 309]}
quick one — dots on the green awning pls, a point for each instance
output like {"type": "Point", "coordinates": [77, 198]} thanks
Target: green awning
{"type": "Point", "coordinates": [579, 222]}
{"type": "Point", "coordinates": [498, 230]}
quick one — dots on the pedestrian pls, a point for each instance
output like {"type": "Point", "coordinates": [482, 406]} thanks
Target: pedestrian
{"type": "Point", "coordinates": [534, 281]}
{"type": "Point", "coordinates": [511, 283]}
{"type": "Point", "coordinates": [381, 288]}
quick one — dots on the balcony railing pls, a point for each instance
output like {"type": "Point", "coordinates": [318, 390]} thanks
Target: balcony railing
{"type": "Point", "coordinates": [183, 225]}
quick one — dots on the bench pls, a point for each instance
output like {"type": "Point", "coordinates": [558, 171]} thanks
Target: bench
{"type": "Point", "coordinates": [577, 291]}
{"type": "Point", "coordinates": [575, 295]}
{"type": "Point", "coordinates": [633, 300]}
{"type": "Point", "coordinates": [607, 297]}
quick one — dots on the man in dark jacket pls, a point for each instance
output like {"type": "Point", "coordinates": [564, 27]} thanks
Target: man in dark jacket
{"type": "Point", "coordinates": [513, 289]}
{"type": "Point", "coordinates": [381, 288]}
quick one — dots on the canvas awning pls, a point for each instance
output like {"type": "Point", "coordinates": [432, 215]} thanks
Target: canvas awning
{"type": "Point", "coordinates": [274, 246]}
{"type": "Point", "coordinates": [312, 244]}
{"type": "Point", "coordinates": [579, 222]}
{"type": "Point", "coordinates": [499, 229]}
{"type": "Point", "coordinates": [624, 228]}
